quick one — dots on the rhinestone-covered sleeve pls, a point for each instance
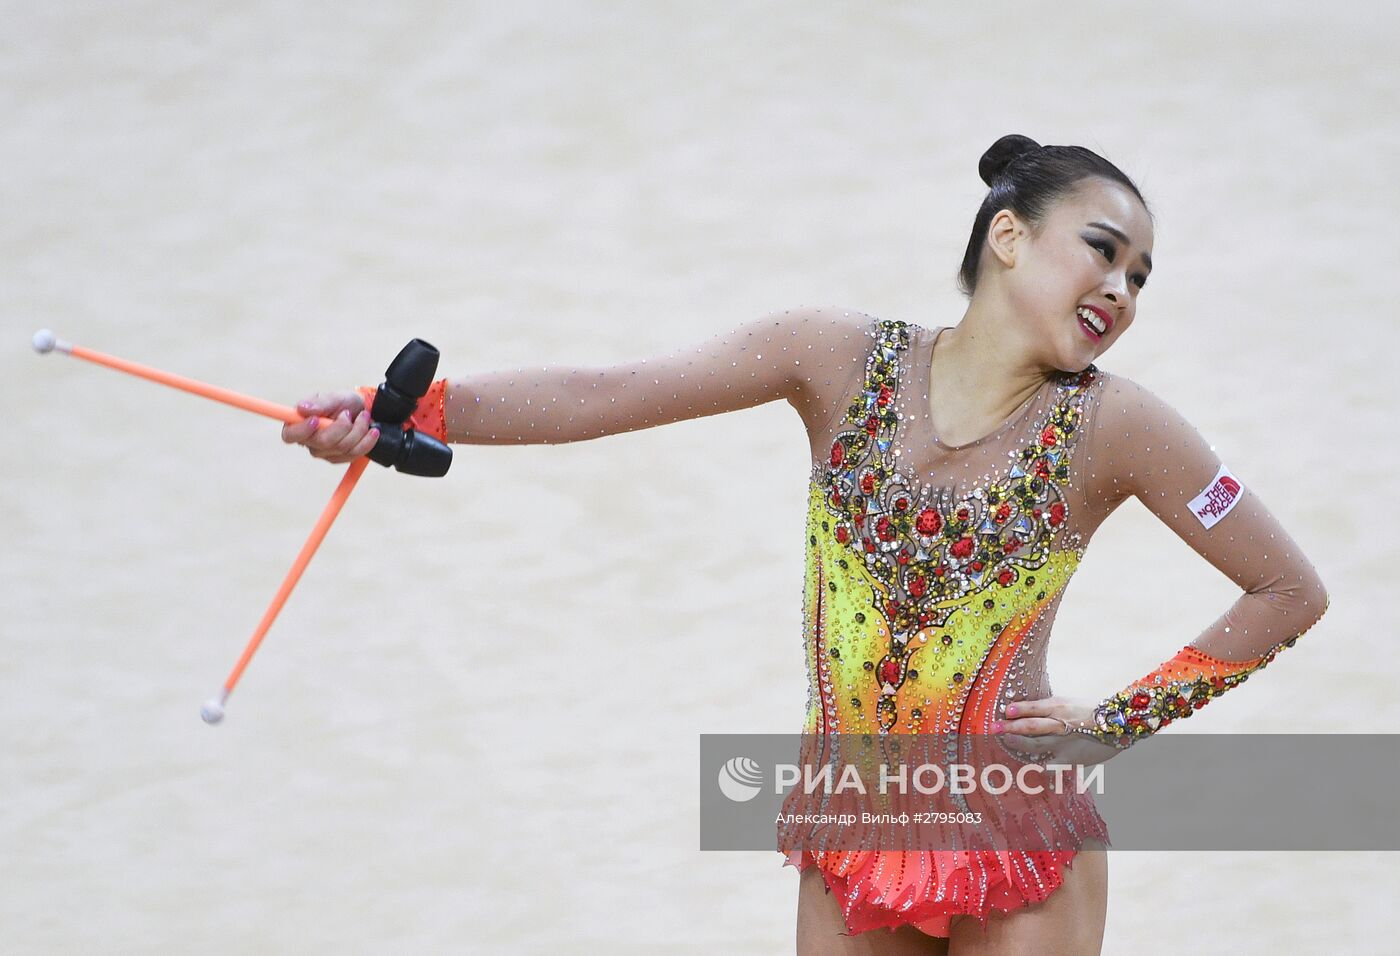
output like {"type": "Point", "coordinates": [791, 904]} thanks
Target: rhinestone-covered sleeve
{"type": "Point", "coordinates": [805, 356]}
{"type": "Point", "coordinates": [1145, 449]}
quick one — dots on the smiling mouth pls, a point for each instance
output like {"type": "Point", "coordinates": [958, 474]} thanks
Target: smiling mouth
{"type": "Point", "coordinates": [1091, 322]}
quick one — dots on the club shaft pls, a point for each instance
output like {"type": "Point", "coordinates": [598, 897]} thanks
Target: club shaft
{"type": "Point", "coordinates": [284, 413]}
{"type": "Point", "coordinates": [318, 533]}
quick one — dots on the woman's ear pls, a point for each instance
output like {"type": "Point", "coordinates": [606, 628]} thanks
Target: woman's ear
{"type": "Point", "coordinates": [1005, 233]}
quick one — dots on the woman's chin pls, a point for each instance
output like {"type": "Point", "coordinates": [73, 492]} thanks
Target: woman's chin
{"type": "Point", "coordinates": [1077, 359]}
{"type": "Point", "coordinates": [1086, 351]}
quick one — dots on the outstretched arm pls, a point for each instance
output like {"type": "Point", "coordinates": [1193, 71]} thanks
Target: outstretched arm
{"type": "Point", "coordinates": [805, 356]}
{"type": "Point", "coordinates": [782, 356]}
{"type": "Point", "coordinates": [1165, 463]}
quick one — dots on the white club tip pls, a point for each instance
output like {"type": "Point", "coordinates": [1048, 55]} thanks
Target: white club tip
{"type": "Point", "coordinates": [213, 711]}
{"type": "Point", "coordinates": [44, 341]}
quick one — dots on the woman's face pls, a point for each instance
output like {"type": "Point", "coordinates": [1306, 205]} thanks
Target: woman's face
{"type": "Point", "coordinates": [1093, 252]}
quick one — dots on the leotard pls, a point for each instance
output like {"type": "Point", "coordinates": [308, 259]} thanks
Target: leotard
{"type": "Point", "coordinates": [934, 571]}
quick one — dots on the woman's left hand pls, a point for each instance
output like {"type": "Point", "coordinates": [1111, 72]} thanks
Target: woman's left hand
{"type": "Point", "coordinates": [1046, 729]}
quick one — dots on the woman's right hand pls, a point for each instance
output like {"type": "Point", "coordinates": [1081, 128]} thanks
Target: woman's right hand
{"type": "Point", "coordinates": [336, 427]}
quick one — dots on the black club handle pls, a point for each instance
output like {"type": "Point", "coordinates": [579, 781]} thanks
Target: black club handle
{"type": "Point", "coordinates": [407, 380]}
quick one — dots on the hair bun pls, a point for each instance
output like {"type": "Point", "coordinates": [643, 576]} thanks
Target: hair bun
{"type": "Point", "coordinates": [1002, 153]}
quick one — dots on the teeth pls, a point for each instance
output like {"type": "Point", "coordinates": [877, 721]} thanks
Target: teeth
{"type": "Point", "coordinates": [1088, 315]}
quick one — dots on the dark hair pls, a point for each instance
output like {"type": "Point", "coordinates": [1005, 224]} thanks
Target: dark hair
{"type": "Point", "coordinates": [1028, 179]}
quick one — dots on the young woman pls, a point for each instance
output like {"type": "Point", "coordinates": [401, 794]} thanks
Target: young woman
{"type": "Point", "coordinates": [958, 474]}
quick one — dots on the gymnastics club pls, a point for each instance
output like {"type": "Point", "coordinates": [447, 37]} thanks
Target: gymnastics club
{"type": "Point", "coordinates": [407, 451]}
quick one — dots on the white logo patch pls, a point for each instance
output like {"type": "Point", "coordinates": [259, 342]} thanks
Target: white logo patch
{"type": "Point", "coordinates": [1222, 494]}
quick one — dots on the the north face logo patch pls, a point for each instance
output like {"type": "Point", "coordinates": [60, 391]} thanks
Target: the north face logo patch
{"type": "Point", "coordinates": [1222, 494]}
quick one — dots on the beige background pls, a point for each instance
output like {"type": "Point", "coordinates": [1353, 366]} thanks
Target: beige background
{"type": "Point", "coordinates": [475, 727]}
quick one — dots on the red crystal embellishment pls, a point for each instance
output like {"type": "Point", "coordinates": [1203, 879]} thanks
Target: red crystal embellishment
{"type": "Point", "coordinates": [889, 671]}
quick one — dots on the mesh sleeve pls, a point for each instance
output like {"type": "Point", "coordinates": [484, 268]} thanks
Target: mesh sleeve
{"type": "Point", "coordinates": [1147, 450]}
{"type": "Point", "coordinates": [805, 356]}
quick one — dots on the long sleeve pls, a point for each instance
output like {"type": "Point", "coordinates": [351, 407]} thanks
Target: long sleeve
{"type": "Point", "coordinates": [806, 356]}
{"type": "Point", "coordinates": [1147, 450]}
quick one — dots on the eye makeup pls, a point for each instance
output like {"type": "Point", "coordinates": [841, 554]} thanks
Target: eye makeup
{"type": "Point", "coordinates": [1111, 251]}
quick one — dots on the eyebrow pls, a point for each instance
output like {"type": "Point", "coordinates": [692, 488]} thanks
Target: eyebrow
{"type": "Point", "coordinates": [1118, 234]}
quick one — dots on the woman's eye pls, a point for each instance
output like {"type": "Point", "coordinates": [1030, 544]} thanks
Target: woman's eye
{"type": "Point", "coordinates": [1141, 280]}
{"type": "Point", "coordinates": [1105, 247]}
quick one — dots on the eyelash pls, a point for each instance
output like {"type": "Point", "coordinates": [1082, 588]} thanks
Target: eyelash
{"type": "Point", "coordinates": [1109, 252]}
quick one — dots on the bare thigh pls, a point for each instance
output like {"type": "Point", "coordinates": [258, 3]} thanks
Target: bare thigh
{"type": "Point", "coordinates": [820, 925]}
{"type": "Point", "coordinates": [1069, 923]}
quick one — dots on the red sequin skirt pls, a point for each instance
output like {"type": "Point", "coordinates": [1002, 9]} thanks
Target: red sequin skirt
{"type": "Point", "coordinates": [903, 840]}
{"type": "Point", "coordinates": [927, 888]}
{"type": "Point", "coordinates": [895, 870]}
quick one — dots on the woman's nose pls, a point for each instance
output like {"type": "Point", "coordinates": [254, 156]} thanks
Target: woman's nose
{"type": "Point", "coordinates": [1116, 288]}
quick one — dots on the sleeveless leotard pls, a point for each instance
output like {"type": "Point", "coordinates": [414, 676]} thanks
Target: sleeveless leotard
{"type": "Point", "coordinates": [934, 571]}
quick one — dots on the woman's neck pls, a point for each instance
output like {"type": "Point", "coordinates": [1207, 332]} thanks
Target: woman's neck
{"type": "Point", "coordinates": [981, 372]}
{"type": "Point", "coordinates": [991, 352]}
